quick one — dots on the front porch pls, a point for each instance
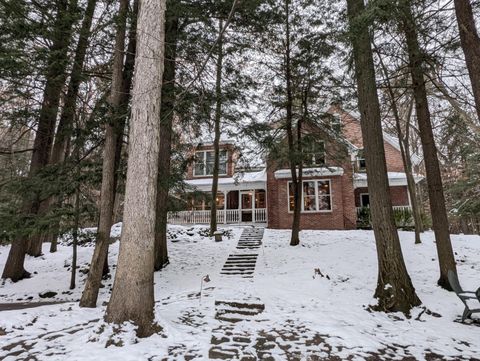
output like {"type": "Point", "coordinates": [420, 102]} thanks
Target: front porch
{"type": "Point", "coordinates": [224, 216]}
{"type": "Point", "coordinates": [233, 207]}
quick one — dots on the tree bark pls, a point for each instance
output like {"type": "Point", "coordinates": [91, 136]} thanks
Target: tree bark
{"type": "Point", "coordinates": [446, 258]}
{"type": "Point", "coordinates": [216, 141]}
{"type": "Point", "coordinates": [123, 110]}
{"type": "Point", "coordinates": [394, 291]}
{"type": "Point", "coordinates": [107, 195]}
{"type": "Point", "coordinates": [166, 133]}
{"type": "Point", "coordinates": [133, 293]}
{"type": "Point", "coordinates": [76, 225]}
{"type": "Point", "coordinates": [403, 142]}
{"type": "Point", "coordinates": [55, 79]}
{"type": "Point", "coordinates": [471, 45]}
{"type": "Point", "coordinates": [412, 187]}
{"type": "Point", "coordinates": [295, 236]}
{"type": "Point", "coordinates": [64, 129]}
{"type": "Point", "coordinates": [48, 114]}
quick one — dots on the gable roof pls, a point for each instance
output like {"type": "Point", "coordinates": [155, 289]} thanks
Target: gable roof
{"type": "Point", "coordinates": [353, 133]}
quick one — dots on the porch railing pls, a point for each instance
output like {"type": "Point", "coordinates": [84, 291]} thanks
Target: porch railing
{"type": "Point", "coordinates": [229, 216]}
{"type": "Point", "coordinates": [395, 208]}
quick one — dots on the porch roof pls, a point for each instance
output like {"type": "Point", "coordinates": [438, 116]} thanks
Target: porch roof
{"type": "Point", "coordinates": [310, 172]}
{"type": "Point", "coordinates": [239, 181]}
{"type": "Point", "coordinates": [394, 179]}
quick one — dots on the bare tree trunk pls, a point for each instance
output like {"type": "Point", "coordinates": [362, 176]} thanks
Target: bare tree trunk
{"type": "Point", "coordinates": [166, 133]}
{"type": "Point", "coordinates": [123, 110]}
{"type": "Point", "coordinates": [403, 142]}
{"type": "Point", "coordinates": [434, 180]}
{"type": "Point", "coordinates": [90, 293]}
{"type": "Point", "coordinates": [133, 294]}
{"type": "Point", "coordinates": [295, 237]}
{"type": "Point", "coordinates": [76, 225]}
{"type": "Point", "coordinates": [55, 79]}
{"type": "Point", "coordinates": [48, 114]}
{"type": "Point", "coordinates": [64, 129]}
{"type": "Point", "coordinates": [395, 291]}
{"type": "Point", "coordinates": [216, 141]}
{"type": "Point", "coordinates": [412, 187]}
{"type": "Point", "coordinates": [470, 44]}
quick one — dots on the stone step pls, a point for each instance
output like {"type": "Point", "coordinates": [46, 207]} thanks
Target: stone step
{"type": "Point", "coordinates": [241, 271]}
{"type": "Point", "coordinates": [240, 266]}
{"type": "Point", "coordinates": [242, 256]}
{"type": "Point", "coordinates": [237, 275]}
{"type": "Point", "coordinates": [223, 353]}
{"type": "Point", "coordinates": [241, 261]}
{"type": "Point", "coordinates": [234, 317]}
{"type": "Point", "coordinates": [241, 304]}
{"type": "Point", "coordinates": [239, 311]}
{"type": "Point", "coordinates": [250, 254]}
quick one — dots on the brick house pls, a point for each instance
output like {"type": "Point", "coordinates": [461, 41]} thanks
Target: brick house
{"type": "Point", "coordinates": [334, 182]}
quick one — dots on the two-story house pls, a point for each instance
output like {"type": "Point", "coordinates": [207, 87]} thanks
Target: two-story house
{"type": "Point", "coordinates": [334, 182]}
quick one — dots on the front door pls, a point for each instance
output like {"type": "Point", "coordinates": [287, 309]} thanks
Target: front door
{"type": "Point", "coordinates": [246, 202]}
{"type": "Point", "coordinates": [364, 200]}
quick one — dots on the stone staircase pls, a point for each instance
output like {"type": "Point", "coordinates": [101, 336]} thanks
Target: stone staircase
{"type": "Point", "coordinates": [241, 263]}
{"type": "Point", "coordinates": [229, 341]}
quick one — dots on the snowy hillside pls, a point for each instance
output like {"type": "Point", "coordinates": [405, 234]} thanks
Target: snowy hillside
{"type": "Point", "coordinates": [285, 311]}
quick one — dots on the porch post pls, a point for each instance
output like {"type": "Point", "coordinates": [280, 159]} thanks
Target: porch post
{"type": "Point", "coordinates": [253, 206]}
{"type": "Point", "coordinates": [225, 193]}
{"type": "Point", "coordinates": [239, 207]}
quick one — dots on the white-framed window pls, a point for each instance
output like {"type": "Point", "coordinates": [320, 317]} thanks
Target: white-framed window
{"type": "Point", "coordinates": [314, 151]}
{"type": "Point", "coordinates": [205, 160]}
{"type": "Point", "coordinates": [361, 164]}
{"type": "Point", "coordinates": [316, 196]}
{"type": "Point", "coordinates": [336, 124]}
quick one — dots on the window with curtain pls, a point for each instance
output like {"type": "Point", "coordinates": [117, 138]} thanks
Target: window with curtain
{"type": "Point", "coordinates": [316, 196]}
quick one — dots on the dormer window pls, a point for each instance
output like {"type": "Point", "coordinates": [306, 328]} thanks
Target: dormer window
{"type": "Point", "coordinates": [205, 160]}
{"type": "Point", "coordinates": [361, 164]}
{"type": "Point", "coordinates": [336, 124]}
{"type": "Point", "coordinates": [314, 151]}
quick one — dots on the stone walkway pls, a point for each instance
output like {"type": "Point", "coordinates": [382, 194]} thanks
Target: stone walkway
{"type": "Point", "coordinates": [244, 332]}
{"type": "Point", "coordinates": [229, 342]}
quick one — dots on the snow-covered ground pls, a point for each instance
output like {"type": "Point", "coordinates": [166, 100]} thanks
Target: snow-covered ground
{"type": "Point", "coordinates": [301, 309]}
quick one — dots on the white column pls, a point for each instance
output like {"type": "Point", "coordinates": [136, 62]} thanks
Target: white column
{"type": "Point", "coordinates": [225, 207]}
{"type": "Point", "coordinates": [253, 206]}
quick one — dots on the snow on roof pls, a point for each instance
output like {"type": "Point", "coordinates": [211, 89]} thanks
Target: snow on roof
{"type": "Point", "coordinates": [242, 180]}
{"type": "Point", "coordinates": [394, 179]}
{"type": "Point", "coordinates": [390, 139]}
{"type": "Point", "coordinates": [310, 172]}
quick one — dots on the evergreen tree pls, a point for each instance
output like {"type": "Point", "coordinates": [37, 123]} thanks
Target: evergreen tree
{"type": "Point", "coordinates": [394, 291]}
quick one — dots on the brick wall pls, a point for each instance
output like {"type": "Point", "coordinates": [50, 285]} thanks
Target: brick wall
{"type": "Point", "coordinates": [231, 160]}
{"type": "Point", "coordinates": [399, 195]}
{"type": "Point", "coordinates": [353, 132]}
{"type": "Point", "coordinates": [342, 215]}
{"type": "Point", "coordinates": [280, 217]}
